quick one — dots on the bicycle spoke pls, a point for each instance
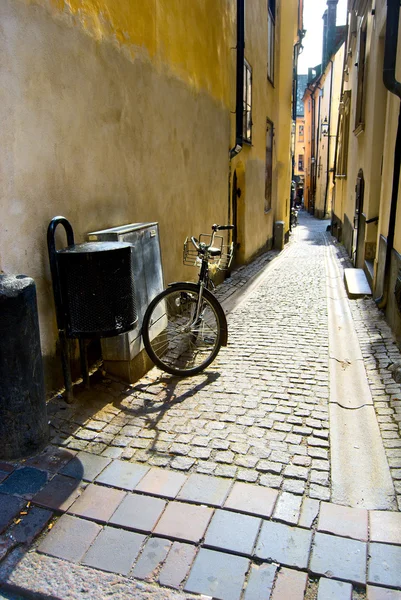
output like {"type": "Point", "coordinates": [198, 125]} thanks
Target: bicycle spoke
{"type": "Point", "coordinates": [179, 342]}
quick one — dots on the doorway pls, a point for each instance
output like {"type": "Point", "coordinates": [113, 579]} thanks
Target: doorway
{"type": "Point", "coordinates": [359, 193]}
{"type": "Point", "coordinates": [238, 216]}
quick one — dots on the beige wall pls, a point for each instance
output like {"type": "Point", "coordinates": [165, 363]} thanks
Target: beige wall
{"type": "Point", "coordinates": [329, 106]}
{"type": "Point", "coordinates": [273, 102]}
{"type": "Point", "coordinates": [118, 111]}
{"type": "Point", "coordinates": [370, 149]}
{"type": "Point", "coordinates": [102, 140]}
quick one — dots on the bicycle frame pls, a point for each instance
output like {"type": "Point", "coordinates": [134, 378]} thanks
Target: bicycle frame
{"type": "Point", "coordinates": [203, 279]}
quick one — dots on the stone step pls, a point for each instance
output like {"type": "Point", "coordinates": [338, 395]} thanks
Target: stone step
{"type": "Point", "coordinates": [356, 283]}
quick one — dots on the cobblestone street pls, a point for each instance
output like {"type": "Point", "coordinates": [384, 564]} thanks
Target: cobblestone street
{"type": "Point", "coordinates": [258, 414]}
{"type": "Point", "coordinates": [218, 484]}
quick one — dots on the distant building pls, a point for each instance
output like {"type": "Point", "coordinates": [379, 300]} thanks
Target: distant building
{"type": "Point", "coordinates": [299, 154]}
{"type": "Point", "coordinates": [302, 81]}
{"type": "Point", "coordinates": [321, 101]}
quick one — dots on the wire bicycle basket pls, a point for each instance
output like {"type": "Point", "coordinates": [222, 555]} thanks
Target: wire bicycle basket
{"type": "Point", "coordinates": [221, 262]}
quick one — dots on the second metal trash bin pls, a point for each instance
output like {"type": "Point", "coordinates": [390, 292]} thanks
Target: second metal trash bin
{"type": "Point", "coordinates": [124, 355]}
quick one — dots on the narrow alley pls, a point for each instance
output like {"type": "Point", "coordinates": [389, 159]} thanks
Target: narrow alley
{"type": "Point", "coordinates": [223, 484]}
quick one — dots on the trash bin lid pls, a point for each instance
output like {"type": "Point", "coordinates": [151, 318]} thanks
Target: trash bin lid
{"type": "Point", "coordinates": [94, 247]}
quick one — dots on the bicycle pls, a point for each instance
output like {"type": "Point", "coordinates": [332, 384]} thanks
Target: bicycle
{"type": "Point", "coordinates": [185, 326]}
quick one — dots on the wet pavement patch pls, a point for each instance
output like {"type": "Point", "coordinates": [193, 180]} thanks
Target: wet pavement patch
{"type": "Point", "coordinates": [51, 459]}
{"type": "Point", "coordinates": [9, 508]}
{"type": "Point", "coordinates": [25, 482]}
{"type": "Point", "coordinates": [59, 493]}
{"type": "Point", "coordinates": [31, 525]}
{"type": "Point", "coordinates": [85, 466]}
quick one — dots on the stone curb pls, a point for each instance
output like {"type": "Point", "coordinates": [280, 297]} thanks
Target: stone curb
{"type": "Point", "coordinates": [326, 535]}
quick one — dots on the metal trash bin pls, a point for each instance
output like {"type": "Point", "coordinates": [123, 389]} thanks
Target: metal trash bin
{"type": "Point", "coordinates": [124, 355]}
{"type": "Point", "coordinates": [97, 289]}
{"type": "Point", "coordinates": [93, 285]}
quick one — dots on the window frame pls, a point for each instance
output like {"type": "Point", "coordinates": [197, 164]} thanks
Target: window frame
{"type": "Point", "coordinates": [359, 124]}
{"type": "Point", "coordinates": [269, 166]}
{"type": "Point", "coordinates": [247, 104]}
{"type": "Point", "coordinates": [271, 39]}
{"type": "Point", "coordinates": [343, 135]}
{"type": "Point", "coordinates": [301, 162]}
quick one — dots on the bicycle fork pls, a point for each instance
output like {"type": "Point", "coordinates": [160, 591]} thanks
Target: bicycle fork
{"type": "Point", "coordinates": [198, 304]}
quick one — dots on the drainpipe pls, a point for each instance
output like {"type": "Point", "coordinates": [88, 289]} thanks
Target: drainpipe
{"type": "Point", "coordinates": [239, 109]}
{"type": "Point", "coordinates": [318, 130]}
{"type": "Point", "coordinates": [393, 86]}
{"type": "Point", "coordinates": [328, 140]}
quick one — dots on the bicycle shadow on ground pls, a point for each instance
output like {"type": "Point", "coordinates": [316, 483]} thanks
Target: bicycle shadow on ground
{"type": "Point", "coordinates": [142, 405]}
{"type": "Point", "coordinates": [154, 409]}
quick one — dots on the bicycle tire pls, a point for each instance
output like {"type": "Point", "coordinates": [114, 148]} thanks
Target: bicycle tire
{"type": "Point", "coordinates": [179, 352]}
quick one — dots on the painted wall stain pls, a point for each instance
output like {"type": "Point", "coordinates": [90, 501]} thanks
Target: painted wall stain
{"type": "Point", "coordinates": [192, 38]}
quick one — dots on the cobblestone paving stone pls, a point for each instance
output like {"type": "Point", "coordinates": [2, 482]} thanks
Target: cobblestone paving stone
{"type": "Point", "coordinates": [259, 414]}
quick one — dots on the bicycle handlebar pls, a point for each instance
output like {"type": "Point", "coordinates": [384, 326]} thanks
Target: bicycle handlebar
{"type": "Point", "coordinates": [201, 246]}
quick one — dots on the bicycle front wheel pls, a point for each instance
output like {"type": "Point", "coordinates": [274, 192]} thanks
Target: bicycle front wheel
{"type": "Point", "coordinates": [175, 340]}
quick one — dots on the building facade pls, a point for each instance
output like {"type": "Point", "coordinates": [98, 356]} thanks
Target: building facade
{"type": "Point", "coordinates": [367, 194]}
{"type": "Point", "coordinates": [118, 111]}
{"type": "Point", "coordinates": [321, 106]}
{"type": "Point", "coordinates": [300, 140]}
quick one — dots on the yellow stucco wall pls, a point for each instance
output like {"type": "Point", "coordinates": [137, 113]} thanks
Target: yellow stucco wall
{"type": "Point", "coordinates": [288, 30]}
{"type": "Point", "coordinates": [191, 38]}
{"type": "Point", "coordinates": [103, 138]}
{"type": "Point", "coordinates": [366, 149]}
{"type": "Point", "coordinates": [300, 145]}
{"type": "Point", "coordinates": [119, 111]}
{"type": "Point", "coordinates": [330, 84]}
{"type": "Point", "coordinates": [371, 150]}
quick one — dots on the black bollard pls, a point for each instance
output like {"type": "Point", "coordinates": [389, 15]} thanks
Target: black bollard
{"type": "Point", "coordinates": [23, 419]}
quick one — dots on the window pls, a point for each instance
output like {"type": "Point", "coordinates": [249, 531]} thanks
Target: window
{"type": "Point", "coordinates": [247, 114]}
{"type": "Point", "coordinates": [271, 25]}
{"type": "Point", "coordinates": [360, 63]}
{"type": "Point", "coordinates": [269, 166]}
{"type": "Point", "coordinates": [343, 135]}
{"type": "Point", "coordinates": [300, 162]}
{"type": "Point", "coordinates": [301, 133]}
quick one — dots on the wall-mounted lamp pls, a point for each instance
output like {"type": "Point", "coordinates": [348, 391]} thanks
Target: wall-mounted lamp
{"type": "Point", "coordinates": [325, 127]}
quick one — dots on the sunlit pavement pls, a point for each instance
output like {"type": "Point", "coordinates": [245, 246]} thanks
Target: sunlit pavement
{"type": "Point", "coordinates": [220, 484]}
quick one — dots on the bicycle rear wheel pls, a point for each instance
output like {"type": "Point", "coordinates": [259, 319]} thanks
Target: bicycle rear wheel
{"type": "Point", "coordinates": [175, 342]}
